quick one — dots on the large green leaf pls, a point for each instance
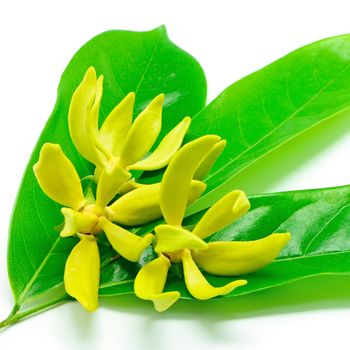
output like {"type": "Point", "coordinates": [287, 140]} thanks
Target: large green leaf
{"type": "Point", "coordinates": [268, 108]}
{"type": "Point", "coordinates": [319, 221]}
{"type": "Point", "coordinates": [144, 62]}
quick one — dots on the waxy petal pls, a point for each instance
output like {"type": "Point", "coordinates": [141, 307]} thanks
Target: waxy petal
{"type": "Point", "coordinates": [109, 183]}
{"type": "Point", "coordinates": [143, 132]}
{"type": "Point", "coordinates": [58, 178]}
{"type": "Point", "coordinates": [82, 273]}
{"type": "Point", "coordinates": [167, 148]}
{"type": "Point", "coordinates": [136, 207]}
{"type": "Point", "coordinates": [176, 183]}
{"type": "Point", "coordinates": [239, 257]}
{"type": "Point", "coordinates": [172, 238]}
{"type": "Point", "coordinates": [142, 205]}
{"type": "Point", "coordinates": [209, 160]}
{"type": "Point", "coordinates": [198, 286]}
{"type": "Point", "coordinates": [77, 222]}
{"type": "Point", "coordinates": [116, 126]}
{"type": "Point", "coordinates": [130, 186]}
{"type": "Point", "coordinates": [79, 115]}
{"type": "Point", "coordinates": [127, 244]}
{"type": "Point", "coordinates": [150, 281]}
{"type": "Point", "coordinates": [225, 211]}
{"type": "Point", "coordinates": [92, 121]}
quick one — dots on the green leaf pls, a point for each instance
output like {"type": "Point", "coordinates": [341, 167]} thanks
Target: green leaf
{"type": "Point", "coordinates": [145, 62]}
{"type": "Point", "coordinates": [268, 108]}
{"type": "Point", "coordinates": [319, 221]}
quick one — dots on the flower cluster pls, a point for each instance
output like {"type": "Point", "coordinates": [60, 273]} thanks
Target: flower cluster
{"type": "Point", "coordinates": [119, 146]}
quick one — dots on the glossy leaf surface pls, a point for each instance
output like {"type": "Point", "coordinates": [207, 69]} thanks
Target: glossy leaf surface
{"type": "Point", "coordinates": [272, 106]}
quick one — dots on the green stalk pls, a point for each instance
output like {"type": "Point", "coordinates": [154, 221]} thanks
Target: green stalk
{"type": "Point", "coordinates": [16, 315]}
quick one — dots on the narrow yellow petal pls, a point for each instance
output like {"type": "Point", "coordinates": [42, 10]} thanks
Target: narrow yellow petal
{"type": "Point", "coordinates": [143, 132]}
{"type": "Point", "coordinates": [172, 238]}
{"type": "Point", "coordinates": [137, 207]}
{"type": "Point", "coordinates": [198, 286]}
{"type": "Point", "coordinates": [58, 178]}
{"type": "Point", "coordinates": [162, 155]}
{"type": "Point", "coordinates": [150, 281]}
{"type": "Point", "coordinates": [116, 126]}
{"type": "Point", "coordinates": [76, 222]}
{"type": "Point", "coordinates": [196, 190]}
{"type": "Point", "coordinates": [141, 206]}
{"type": "Point", "coordinates": [225, 211]}
{"type": "Point", "coordinates": [177, 178]}
{"type": "Point", "coordinates": [109, 183]}
{"type": "Point", "coordinates": [238, 258]}
{"type": "Point", "coordinates": [79, 112]}
{"type": "Point", "coordinates": [207, 163]}
{"type": "Point", "coordinates": [92, 121]}
{"type": "Point", "coordinates": [82, 273]}
{"type": "Point", "coordinates": [127, 244]}
{"type": "Point", "coordinates": [130, 186]}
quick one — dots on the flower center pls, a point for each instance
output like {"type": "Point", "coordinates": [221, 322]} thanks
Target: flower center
{"type": "Point", "coordinates": [98, 212]}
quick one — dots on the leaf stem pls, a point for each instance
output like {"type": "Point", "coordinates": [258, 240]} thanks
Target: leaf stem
{"type": "Point", "coordinates": [15, 315]}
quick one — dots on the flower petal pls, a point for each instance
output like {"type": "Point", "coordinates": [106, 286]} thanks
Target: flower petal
{"type": "Point", "coordinates": [79, 112]}
{"type": "Point", "coordinates": [167, 148]}
{"type": "Point", "coordinates": [176, 183]}
{"type": "Point", "coordinates": [116, 126]}
{"type": "Point", "coordinates": [238, 258]}
{"type": "Point", "coordinates": [82, 273]}
{"type": "Point", "coordinates": [76, 222]}
{"type": "Point", "coordinates": [150, 281]}
{"type": "Point", "coordinates": [198, 286]}
{"type": "Point", "coordinates": [225, 211]}
{"type": "Point", "coordinates": [207, 163]}
{"type": "Point", "coordinates": [109, 183]}
{"type": "Point", "coordinates": [172, 238]}
{"type": "Point", "coordinates": [141, 206]}
{"type": "Point", "coordinates": [130, 186]}
{"type": "Point", "coordinates": [58, 178]}
{"type": "Point", "coordinates": [92, 121]}
{"type": "Point", "coordinates": [143, 132]}
{"type": "Point", "coordinates": [127, 244]}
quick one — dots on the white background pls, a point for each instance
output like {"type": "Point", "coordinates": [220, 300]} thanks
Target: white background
{"type": "Point", "coordinates": [230, 39]}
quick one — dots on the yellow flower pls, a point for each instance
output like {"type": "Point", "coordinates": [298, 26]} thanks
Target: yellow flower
{"type": "Point", "coordinates": [174, 243]}
{"type": "Point", "coordinates": [120, 142]}
{"type": "Point", "coordinates": [86, 217]}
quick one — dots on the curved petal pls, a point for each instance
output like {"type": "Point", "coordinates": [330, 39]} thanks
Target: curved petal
{"type": "Point", "coordinates": [238, 258]}
{"type": "Point", "coordinates": [176, 182]}
{"type": "Point", "coordinates": [143, 132]}
{"type": "Point", "coordinates": [82, 273]}
{"type": "Point", "coordinates": [141, 206]}
{"type": "Point", "coordinates": [116, 126]}
{"type": "Point", "coordinates": [79, 112]}
{"type": "Point", "coordinates": [130, 186]}
{"type": "Point", "coordinates": [92, 120]}
{"type": "Point", "coordinates": [127, 244]}
{"type": "Point", "coordinates": [109, 183]}
{"type": "Point", "coordinates": [137, 207]}
{"type": "Point", "coordinates": [58, 178]}
{"type": "Point", "coordinates": [198, 286]}
{"type": "Point", "coordinates": [76, 222]}
{"type": "Point", "coordinates": [167, 148]}
{"type": "Point", "coordinates": [196, 190]}
{"type": "Point", "coordinates": [225, 211]}
{"type": "Point", "coordinates": [172, 238]}
{"type": "Point", "coordinates": [207, 163]}
{"type": "Point", "coordinates": [150, 281]}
